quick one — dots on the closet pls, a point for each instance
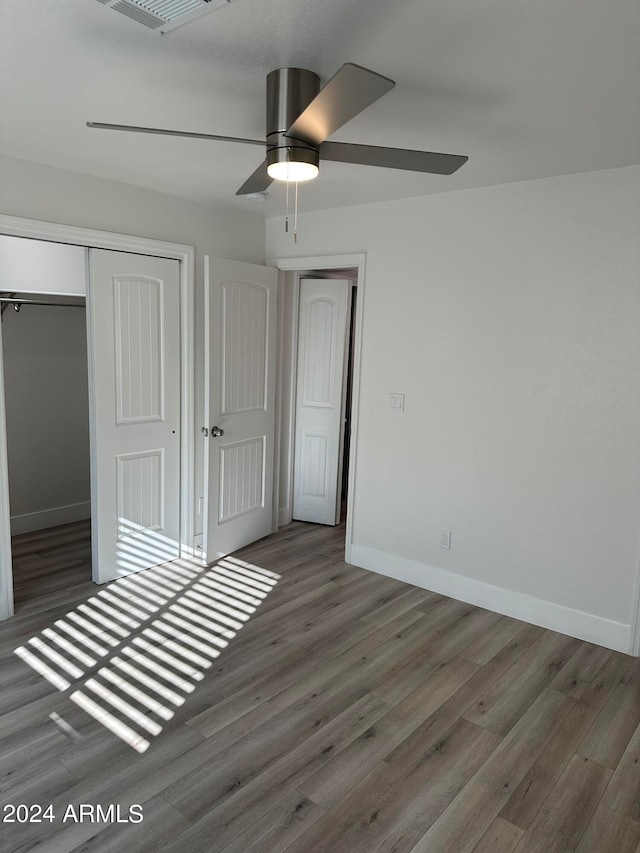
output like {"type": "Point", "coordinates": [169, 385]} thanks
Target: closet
{"type": "Point", "coordinates": [44, 338]}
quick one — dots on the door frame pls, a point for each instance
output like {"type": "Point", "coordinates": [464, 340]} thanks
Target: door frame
{"type": "Point", "coordinates": [296, 266]}
{"type": "Point", "coordinates": [52, 232]}
{"type": "Point", "coordinates": [634, 633]}
{"type": "Point", "coordinates": [6, 571]}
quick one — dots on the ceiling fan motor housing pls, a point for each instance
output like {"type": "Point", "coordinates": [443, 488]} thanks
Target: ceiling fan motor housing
{"type": "Point", "coordinates": [289, 92]}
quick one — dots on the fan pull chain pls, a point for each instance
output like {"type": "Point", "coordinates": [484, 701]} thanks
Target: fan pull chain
{"type": "Point", "coordinates": [286, 219]}
{"type": "Point", "coordinates": [295, 217]}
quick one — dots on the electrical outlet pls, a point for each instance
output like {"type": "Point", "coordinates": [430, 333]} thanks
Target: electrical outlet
{"type": "Point", "coordinates": [445, 539]}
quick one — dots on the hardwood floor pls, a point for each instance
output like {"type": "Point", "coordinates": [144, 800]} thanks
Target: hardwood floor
{"type": "Point", "coordinates": [290, 702]}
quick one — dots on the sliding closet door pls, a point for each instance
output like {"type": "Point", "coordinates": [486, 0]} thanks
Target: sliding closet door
{"type": "Point", "coordinates": [133, 313]}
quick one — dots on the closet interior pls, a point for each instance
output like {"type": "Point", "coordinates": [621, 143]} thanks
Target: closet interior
{"type": "Point", "coordinates": [44, 355]}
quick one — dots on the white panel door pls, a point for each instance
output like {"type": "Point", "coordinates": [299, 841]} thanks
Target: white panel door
{"type": "Point", "coordinates": [322, 345]}
{"type": "Point", "coordinates": [133, 306]}
{"type": "Point", "coordinates": [241, 356]}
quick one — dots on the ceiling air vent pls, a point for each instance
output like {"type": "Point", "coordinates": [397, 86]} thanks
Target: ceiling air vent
{"type": "Point", "coordinates": [163, 15]}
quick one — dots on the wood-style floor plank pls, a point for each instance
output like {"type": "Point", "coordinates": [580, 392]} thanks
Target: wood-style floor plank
{"type": "Point", "coordinates": [465, 821]}
{"type": "Point", "coordinates": [403, 814]}
{"type": "Point", "coordinates": [296, 704]}
{"type": "Point", "coordinates": [246, 801]}
{"type": "Point", "coordinates": [494, 639]}
{"type": "Point", "coordinates": [565, 814]}
{"type": "Point", "coordinates": [609, 830]}
{"type": "Point", "coordinates": [623, 792]}
{"type": "Point", "coordinates": [503, 704]}
{"type": "Point", "coordinates": [446, 715]}
{"type": "Point", "coordinates": [609, 736]}
{"type": "Point", "coordinates": [331, 783]}
{"type": "Point", "coordinates": [279, 828]}
{"type": "Point", "coordinates": [501, 837]}
{"type": "Point", "coordinates": [526, 801]}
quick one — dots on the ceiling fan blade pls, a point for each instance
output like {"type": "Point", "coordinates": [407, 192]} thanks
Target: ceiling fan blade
{"type": "Point", "coordinates": [258, 182]}
{"type": "Point", "coordinates": [163, 132]}
{"type": "Point", "coordinates": [351, 90]}
{"type": "Point", "coordinates": [392, 158]}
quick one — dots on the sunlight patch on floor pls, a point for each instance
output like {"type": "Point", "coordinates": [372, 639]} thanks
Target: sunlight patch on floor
{"type": "Point", "coordinates": [139, 648]}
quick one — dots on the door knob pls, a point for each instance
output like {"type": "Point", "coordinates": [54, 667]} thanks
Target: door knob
{"type": "Point", "coordinates": [216, 432]}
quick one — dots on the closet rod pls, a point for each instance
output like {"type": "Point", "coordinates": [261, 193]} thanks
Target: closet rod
{"type": "Point", "coordinates": [14, 301]}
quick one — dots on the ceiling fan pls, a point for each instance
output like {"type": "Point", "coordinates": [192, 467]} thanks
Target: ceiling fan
{"type": "Point", "coordinates": [300, 118]}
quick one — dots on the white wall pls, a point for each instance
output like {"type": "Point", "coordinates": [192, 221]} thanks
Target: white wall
{"type": "Point", "coordinates": [510, 318]}
{"type": "Point", "coordinates": [47, 411]}
{"type": "Point", "coordinates": [40, 192]}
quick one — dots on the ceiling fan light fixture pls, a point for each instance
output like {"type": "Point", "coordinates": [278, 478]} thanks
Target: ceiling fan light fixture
{"type": "Point", "coordinates": [292, 171]}
{"type": "Point", "coordinates": [292, 163]}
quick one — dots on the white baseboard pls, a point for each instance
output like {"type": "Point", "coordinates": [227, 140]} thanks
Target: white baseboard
{"type": "Point", "coordinates": [547, 614]}
{"type": "Point", "coordinates": [284, 516]}
{"type": "Point", "coordinates": [31, 521]}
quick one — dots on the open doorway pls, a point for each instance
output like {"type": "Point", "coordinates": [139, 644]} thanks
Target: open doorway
{"type": "Point", "coordinates": [47, 417]}
{"type": "Point", "coordinates": [137, 277]}
{"type": "Point", "coordinates": [322, 406]}
{"type": "Point", "coordinates": [45, 372]}
{"type": "Point", "coordinates": [349, 270]}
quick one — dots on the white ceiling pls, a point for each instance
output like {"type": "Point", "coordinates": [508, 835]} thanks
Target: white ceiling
{"type": "Point", "coordinates": [525, 88]}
